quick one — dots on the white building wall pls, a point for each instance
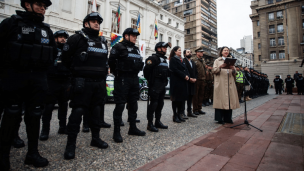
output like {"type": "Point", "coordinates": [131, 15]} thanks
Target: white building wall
{"type": "Point", "coordinates": [247, 43]}
{"type": "Point", "coordinates": [241, 59]}
{"type": "Point", "coordinates": [68, 15]}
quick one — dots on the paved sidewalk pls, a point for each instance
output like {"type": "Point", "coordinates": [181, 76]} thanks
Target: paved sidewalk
{"type": "Point", "coordinates": [242, 148]}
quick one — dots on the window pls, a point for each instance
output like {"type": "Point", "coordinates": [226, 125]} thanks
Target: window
{"type": "Point", "coordinates": [177, 24]}
{"type": "Point", "coordinates": [185, 19]}
{"type": "Point", "coordinates": [161, 17]}
{"type": "Point", "coordinates": [207, 12]}
{"type": "Point", "coordinates": [260, 57]}
{"type": "Point", "coordinates": [279, 0]}
{"type": "Point", "coordinates": [280, 28]}
{"type": "Point", "coordinates": [279, 14]}
{"type": "Point", "coordinates": [259, 45]}
{"type": "Point", "coordinates": [169, 39]}
{"type": "Point", "coordinates": [188, 31]}
{"type": "Point", "coordinates": [302, 23]}
{"type": "Point", "coordinates": [271, 29]}
{"type": "Point", "coordinates": [273, 55]}
{"type": "Point", "coordinates": [204, 16]}
{"type": "Point", "coordinates": [176, 9]}
{"type": "Point", "coordinates": [187, 6]}
{"type": "Point", "coordinates": [67, 5]}
{"type": "Point", "coordinates": [272, 42]}
{"type": "Point", "coordinates": [282, 54]}
{"type": "Point", "coordinates": [271, 16]}
{"type": "Point", "coordinates": [90, 5]}
{"type": "Point", "coordinates": [205, 43]}
{"type": "Point", "coordinates": [133, 23]}
{"type": "Point", "coordinates": [281, 41]}
{"type": "Point", "coordinates": [258, 23]}
{"type": "Point", "coordinates": [188, 12]}
{"type": "Point", "coordinates": [302, 9]}
{"type": "Point", "coordinates": [177, 42]}
{"type": "Point", "coordinates": [259, 34]}
{"type": "Point", "coordinates": [161, 37]}
{"type": "Point", "coordinates": [114, 23]}
{"type": "Point", "coordinates": [269, 1]}
{"type": "Point", "coordinates": [169, 21]}
{"type": "Point", "coordinates": [205, 23]}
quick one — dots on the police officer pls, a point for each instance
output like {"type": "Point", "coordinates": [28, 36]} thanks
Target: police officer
{"type": "Point", "coordinates": [58, 83]}
{"type": "Point", "coordinates": [239, 83]}
{"type": "Point", "coordinates": [200, 84]}
{"type": "Point", "coordinates": [125, 63]}
{"type": "Point", "coordinates": [28, 48]}
{"type": "Point", "coordinates": [156, 71]}
{"type": "Point", "coordinates": [278, 84]}
{"type": "Point", "coordinates": [289, 84]}
{"type": "Point", "coordinates": [86, 53]}
{"type": "Point", "coordinates": [300, 84]}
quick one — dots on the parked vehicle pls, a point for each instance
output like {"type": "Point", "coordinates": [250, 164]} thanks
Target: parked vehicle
{"type": "Point", "coordinates": [110, 88]}
{"type": "Point", "coordinates": [143, 89]}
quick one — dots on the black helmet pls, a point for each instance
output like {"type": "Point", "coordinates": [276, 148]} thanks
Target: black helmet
{"type": "Point", "coordinates": [93, 16]}
{"type": "Point", "coordinates": [130, 31]}
{"type": "Point", "coordinates": [46, 2]}
{"type": "Point", "coordinates": [288, 75]}
{"type": "Point", "coordinates": [162, 44]}
{"type": "Point", "coordinates": [61, 33]}
{"type": "Point", "coordinates": [300, 74]}
{"type": "Point", "coordinates": [277, 76]}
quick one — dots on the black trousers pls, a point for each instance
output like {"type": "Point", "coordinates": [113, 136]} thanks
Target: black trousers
{"type": "Point", "coordinates": [58, 92]}
{"type": "Point", "coordinates": [278, 89]}
{"type": "Point", "coordinates": [222, 115]}
{"type": "Point", "coordinates": [189, 103]}
{"type": "Point", "coordinates": [178, 107]}
{"type": "Point", "coordinates": [157, 93]}
{"type": "Point", "coordinates": [300, 90]}
{"type": "Point", "coordinates": [86, 102]}
{"type": "Point", "coordinates": [289, 89]}
{"type": "Point", "coordinates": [18, 87]}
{"type": "Point", "coordinates": [126, 90]}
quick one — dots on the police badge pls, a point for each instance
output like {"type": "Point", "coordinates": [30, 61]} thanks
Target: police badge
{"type": "Point", "coordinates": [43, 33]}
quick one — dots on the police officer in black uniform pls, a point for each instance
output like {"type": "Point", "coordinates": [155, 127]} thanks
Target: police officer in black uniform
{"type": "Point", "coordinates": [28, 48]}
{"type": "Point", "coordinates": [156, 71]}
{"type": "Point", "coordinates": [86, 54]}
{"type": "Point", "coordinates": [125, 63]}
{"type": "Point", "coordinates": [289, 84]}
{"type": "Point", "coordinates": [300, 84]}
{"type": "Point", "coordinates": [278, 84]}
{"type": "Point", "coordinates": [58, 83]}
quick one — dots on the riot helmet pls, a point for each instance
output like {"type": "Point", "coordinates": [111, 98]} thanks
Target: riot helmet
{"type": "Point", "coordinates": [130, 31]}
{"type": "Point", "coordinates": [162, 44]}
{"type": "Point", "coordinates": [46, 2]}
{"type": "Point", "coordinates": [61, 33]}
{"type": "Point", "coordinates": [92, 16]}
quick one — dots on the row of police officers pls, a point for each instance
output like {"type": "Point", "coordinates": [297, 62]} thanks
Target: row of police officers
{"type": "Point", "coordinates": [279, 83]}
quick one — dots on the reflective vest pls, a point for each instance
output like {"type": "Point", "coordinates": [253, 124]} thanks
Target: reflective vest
{"type": "Point", "coordinates": [239, 77]}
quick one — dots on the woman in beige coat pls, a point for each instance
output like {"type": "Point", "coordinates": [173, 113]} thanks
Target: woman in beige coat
{"type": "Point", "coordinates": [225, 95]}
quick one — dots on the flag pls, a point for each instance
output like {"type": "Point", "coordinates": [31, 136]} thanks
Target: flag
{"type": "Point", "coordinates": [115, 38]}
{"type": "Point", "coordinates": [142, 48]}
{"type": "Point", "coordinates": [118, 16]}
{"type": "Point", "coordinates": [94, 6]}
{"type": "Point", "coordinates": [156, 30]}
{"type": "Point", "coordinates": [100, 33]}
{"type": "Point", "coordinates": [138, 23]}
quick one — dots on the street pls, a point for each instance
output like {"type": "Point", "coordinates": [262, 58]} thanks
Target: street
{"type": "Point", "coordinates": [134, 151]}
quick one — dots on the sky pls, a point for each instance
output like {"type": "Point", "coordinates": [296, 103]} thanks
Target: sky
{"type": "Point", "coordinates": [233, 22]}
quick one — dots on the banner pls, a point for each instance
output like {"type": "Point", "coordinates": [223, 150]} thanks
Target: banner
{"type": "Point", "coordinates": [142, 48]}
{"type": "Point", "coordinates": [115, 38]}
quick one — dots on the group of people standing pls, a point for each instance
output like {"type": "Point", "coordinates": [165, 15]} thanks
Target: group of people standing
{"type": "Point", "coordinates": [290, 83]}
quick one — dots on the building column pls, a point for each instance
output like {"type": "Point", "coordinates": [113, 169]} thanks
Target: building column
{"type": "Point", "coordinates": [108, 12]}
{"type": "Point", "coordinates": [127, 14]}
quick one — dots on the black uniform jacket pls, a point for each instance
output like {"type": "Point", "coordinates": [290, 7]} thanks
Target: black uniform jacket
{"type": "Point", "coordinates": [9, 31]}
{"type": "Point", "coordinates": [192, 74]}
{"type": "Point", "coordinates": [289, 82]}
{"type": "Point", "coordinates": [178, 84]}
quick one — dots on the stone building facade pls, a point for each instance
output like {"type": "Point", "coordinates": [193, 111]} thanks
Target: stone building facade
{"type": "Point", "coordinates": [68, 15]}
{"type": "Point", "coordinates": [278, 36]}
{"type": "Point", "coordinates": [201, 22]}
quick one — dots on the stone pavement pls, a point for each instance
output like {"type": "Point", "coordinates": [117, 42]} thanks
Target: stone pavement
{"type": "Point", "coordinates": [242, 148]}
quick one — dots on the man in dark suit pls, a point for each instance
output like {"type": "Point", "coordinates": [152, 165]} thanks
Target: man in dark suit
{"type": "Point", "coordinates": [191, 84]}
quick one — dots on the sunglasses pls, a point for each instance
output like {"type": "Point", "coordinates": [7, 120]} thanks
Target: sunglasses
{"type": "Point", "coordinates": [40, 4]}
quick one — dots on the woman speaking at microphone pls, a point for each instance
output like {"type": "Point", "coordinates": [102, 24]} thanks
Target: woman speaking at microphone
{"type": "Point", "coordinates": [225, 93]}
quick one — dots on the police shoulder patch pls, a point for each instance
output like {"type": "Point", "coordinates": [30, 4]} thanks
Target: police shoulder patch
{"type": "Point", "coordinates": [149, 62]}
{"type": "Point", "coordinates": [66, 47]}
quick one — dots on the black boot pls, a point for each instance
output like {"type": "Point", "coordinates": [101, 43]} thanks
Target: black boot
{"type": "Point", "coordinates": [96, 141]}
{"type": "Point", "coordinates": [85, 128]}
{"type": "Point", "coordinates": [62, 130]}
{"type": "Point", "coordinates": [190, 114]}
{"type": "Point", "coordinates": [122, 123]}
{"type": "Point", "coordinates": [151, 127]}
{"type": "Point", "coordinates": [33, 157]}
{"type": "Point", "coordinates": [201, 112]}
{"type": "Point", "coordinates": [159, 124]}
{"type": "Point", "coordinates": [180, 117]}
{"type": "Point", "coordinates": [133, 130]}
{"type": "Point", "coordinates": [70, 148]}
{"type": "Point", "coordinates": [176, 119]}
{"type": "Point", "coordinates": [184, 116]}
{"type": "Point", "coordinates": [103, 124]}
{"type": "Point", "coordinates": [207, 103]}
{"type": "Point", "coordinates": [45, 132]}
{"type": "Point", "coordinates": [203, 104]}
{"type": "Point", "coordinates": [18, 142]}
{"type": "Point", "coordinates": [116, 135]}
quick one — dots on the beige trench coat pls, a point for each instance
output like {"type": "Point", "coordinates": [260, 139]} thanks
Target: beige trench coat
{"type": "Point", "coordinates": [225, 91]}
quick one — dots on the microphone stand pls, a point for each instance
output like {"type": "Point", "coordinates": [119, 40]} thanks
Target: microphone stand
{"type": "Point", "coordinates": [245, 114]}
